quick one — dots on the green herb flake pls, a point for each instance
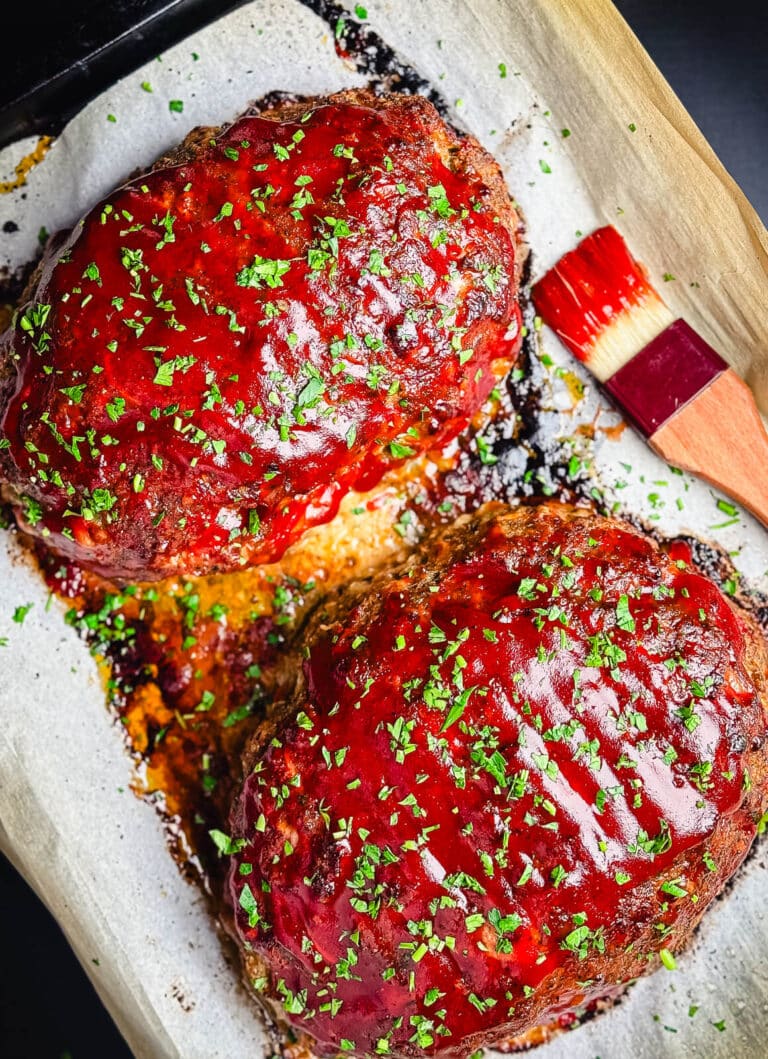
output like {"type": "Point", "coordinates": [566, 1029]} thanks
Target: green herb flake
{"type": "Point", "coordinates": [21, 612]}
{"type": "Point", "coordinates": [248, 903]}
{"type": "Point", "coordinates": [624, 619]}
{"type": "Point", "coordinates": [226, 845]}
{"type": "Point", "coordinates": [263, 271]}
{"type": "Point", "coordinates": [74, 393]}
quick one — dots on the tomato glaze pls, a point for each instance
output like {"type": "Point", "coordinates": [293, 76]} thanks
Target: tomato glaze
{"type": "Point", "coordinates": [227, 345]}
{"type": "Point", "coordinates": [492, 799]}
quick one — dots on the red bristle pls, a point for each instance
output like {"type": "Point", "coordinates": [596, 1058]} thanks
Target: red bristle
{"type": "Point", "coordinates": [589, 287]}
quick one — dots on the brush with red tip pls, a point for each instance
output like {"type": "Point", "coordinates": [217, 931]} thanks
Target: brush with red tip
{"type": "Point", "coordinates": [675, 389]}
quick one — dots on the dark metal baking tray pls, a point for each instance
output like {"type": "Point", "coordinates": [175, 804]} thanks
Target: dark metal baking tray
{"type": "Point", "coordinates": [58, 56]}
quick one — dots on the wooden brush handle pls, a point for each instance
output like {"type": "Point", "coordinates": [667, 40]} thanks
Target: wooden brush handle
{"type": "Point", "coordinates": [720, 436]}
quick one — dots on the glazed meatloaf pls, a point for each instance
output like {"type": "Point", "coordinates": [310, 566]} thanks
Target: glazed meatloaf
{"type": "Point", "coordinates": [274, 315]}
{"type": "Point", "coordinates": [511, 774]}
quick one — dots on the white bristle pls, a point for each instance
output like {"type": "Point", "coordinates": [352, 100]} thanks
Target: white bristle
{"type": "Point", "coordinates": [627, 334]}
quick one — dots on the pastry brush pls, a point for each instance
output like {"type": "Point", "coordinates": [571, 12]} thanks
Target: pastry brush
{"type": "Point", "coordinates": [677, 391]}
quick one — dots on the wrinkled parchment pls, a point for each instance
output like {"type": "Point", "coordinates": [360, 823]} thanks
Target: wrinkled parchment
{"type": "Point", "coordinates": [95, 853]}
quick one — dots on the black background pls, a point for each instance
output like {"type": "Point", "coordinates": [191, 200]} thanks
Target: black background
{"type": "Point", "coordinates": [716, 58]}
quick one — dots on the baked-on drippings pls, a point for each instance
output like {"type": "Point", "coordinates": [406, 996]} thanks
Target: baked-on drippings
{"type": "Point", "coordinates": [227, 345]}
{"type": "Point", "coordinates": [511, 774]}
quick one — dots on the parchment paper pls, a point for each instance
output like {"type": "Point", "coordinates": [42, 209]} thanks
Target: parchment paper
{"type": "Point", "coordinates": [95, 853]}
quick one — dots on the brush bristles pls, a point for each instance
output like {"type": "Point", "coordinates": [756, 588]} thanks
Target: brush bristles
{"type": "Point", "coordinates": [600, 303]}
{"type": "Point", "coordinates": [626, 334]}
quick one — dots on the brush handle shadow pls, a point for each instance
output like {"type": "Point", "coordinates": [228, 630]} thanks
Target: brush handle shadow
{"type": "Point", "coordinates": [720, 437]}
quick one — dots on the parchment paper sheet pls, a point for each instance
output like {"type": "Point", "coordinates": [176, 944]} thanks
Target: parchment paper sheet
{"type": "Point", "coordinates": [95, 853]}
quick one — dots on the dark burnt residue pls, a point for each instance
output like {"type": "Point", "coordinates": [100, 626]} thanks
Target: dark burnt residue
{"type": "Point", "coordinates": [12, 284]}
{"type": "Point", "coordinates": [186, 683]}
{"type": "Point", "coordinates": [385, 70]}
{"type": "Point", "coordinates": [522, 453]}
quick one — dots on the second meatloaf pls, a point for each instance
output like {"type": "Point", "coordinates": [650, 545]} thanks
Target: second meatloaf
{"type": "Point", "coordinates": [511, 773]}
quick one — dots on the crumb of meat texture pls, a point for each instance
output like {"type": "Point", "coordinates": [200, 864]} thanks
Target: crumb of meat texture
{"type": "Point", "coordinates": [513, 773]}
{"type": "Point", "coordinates": [277, 313]}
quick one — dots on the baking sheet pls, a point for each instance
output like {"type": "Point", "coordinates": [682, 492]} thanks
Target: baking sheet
{"type": "Point", "coordinates": [95, 853]}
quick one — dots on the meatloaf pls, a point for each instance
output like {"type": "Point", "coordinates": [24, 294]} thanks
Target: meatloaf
{"type": "Point", "coordinates": [511, 774]}
{"type": "Point", "coordinates": [276, 314]}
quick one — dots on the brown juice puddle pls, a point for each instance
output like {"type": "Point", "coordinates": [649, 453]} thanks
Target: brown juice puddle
{"type": "Point", "coordinates": [26, 165]}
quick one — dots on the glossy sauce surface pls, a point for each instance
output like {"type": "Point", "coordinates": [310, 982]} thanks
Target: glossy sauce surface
{"type": "Point", "coordinates": [226, 346]}
{"type": "Point", "coordinates": [465, 822]}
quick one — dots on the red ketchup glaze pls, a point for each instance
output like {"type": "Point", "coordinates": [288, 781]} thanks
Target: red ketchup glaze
{"type": "Point", "coordinates": [493, 767]}
{"type": "Point", "coordinates": [589, 287]}
{"type": "Point", "coordinates": [224, 347]}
